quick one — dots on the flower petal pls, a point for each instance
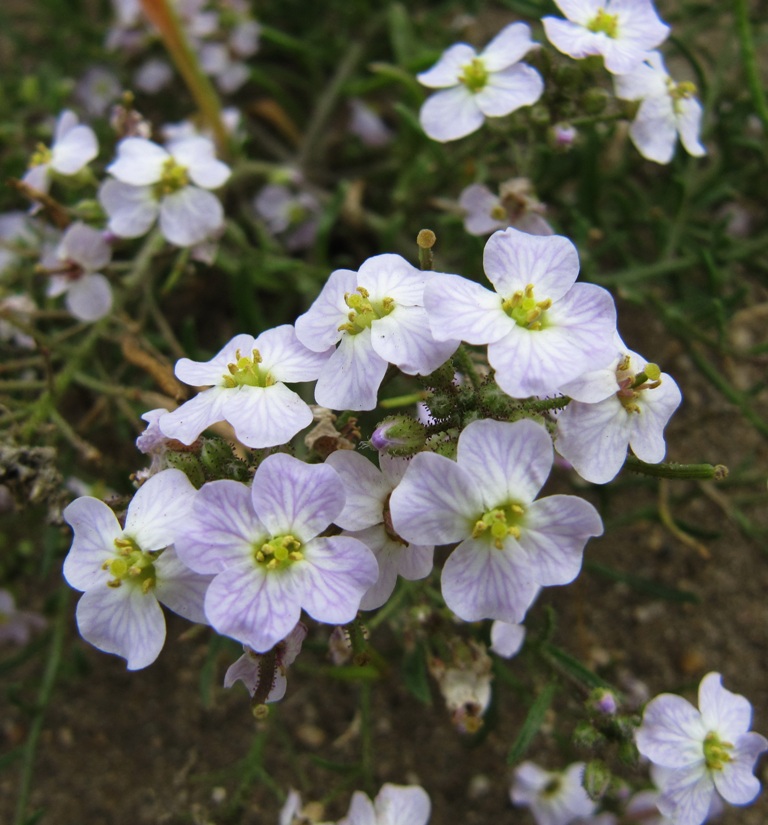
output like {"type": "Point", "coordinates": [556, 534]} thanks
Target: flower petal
{"type": "Point", "coordinates": [509, 46]}
{"type": "Point", "coordinates": [89, 298]}
{"type": "Point", "coordinates": [404, 338]}
{"type": "Point", "coordinates": [180, 588]}
{"type": "Point", "coordinates": [123, 620]}
{"type": "Point", "coordinates": [436, 502]}
{"type": "Point", "coordinates": [464, 310]}
{"type": "Point", "coordinates": [187, 422]}
{"type": "Point", "coordinates": [448, 68]}
{"type": "Point", "coordinates": [481, 582]}
{"type": "Point", "coordinates": [509, 90]}
{"type": "Point", "coordinates": [190, 215]}
{"type": "Point", "coordinates": [352, 376]}
{"type": "Point", "coordinates": [95, 527]}
{"type": "Point", "coordinates": [158, 509]}
{"type": "Point", "coordinates": [132, 209]}
{"type": "Point", "coordinates": [366, 490]}
{"type": "Point", "coordinates": [266, 416]}
{"type": "Point", "coordinates": [451, 114]}
{"type": "Point", "coordinates": [291, 497]}
{"type": "Point", "coordinates": [672, 732]}
{"type": "Point", "coordinates": [139, 162]}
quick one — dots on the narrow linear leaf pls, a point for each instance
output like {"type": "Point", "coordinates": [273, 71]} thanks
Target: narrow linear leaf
{"type": "Point", "coordinates": [573, 668]}
{"type": "Point", "coordinates": [415, 674]}
{"type": "Point", "coordinates": [532, 724]}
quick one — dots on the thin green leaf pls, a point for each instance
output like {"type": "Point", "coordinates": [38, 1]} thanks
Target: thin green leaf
{"type": "Point", "coordinates": [532, 724]}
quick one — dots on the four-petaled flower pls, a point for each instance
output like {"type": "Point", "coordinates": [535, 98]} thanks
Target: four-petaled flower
{"type": "Point", "coordinates": [394, 805]}
{"type": "Point", "coordinates": [622, 32]}
{"type": "Point", "coordinates": [701, 752]}
{"type": "Point", "coordinates": [509, 544]}
{"type": "Point", "coordinates": [474, 86]}
{"type": "Point", "coordinates": [264, 547]}
{"type": "Point", "coordinates": [377, 316]}
{"type": "Point", "coordinates": [553, 797]}
{"type": "Point", "coordinates": [667, 109]}
{"type": "Point", "coordinates": [172, 183]}
{"type": "Point", "coordinates": [247, 389]}
{"type": "Point", "coordinates": [542, 328]}
{"type": "Point", "coordinates": [628, 403]}
{"type": "Point", "coordinates": [126, 571]}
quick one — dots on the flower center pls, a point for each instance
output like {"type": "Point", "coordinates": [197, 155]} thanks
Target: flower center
{"type": "Point", "coordinates": [173, 177]}
{"type": "Point", "coordinates": [679, 92]}
{"type": "Point", "coordinates": [500, 523]}
{"type": "Point", "coordinates": [632, 385]}
{"type": "Point", "coordinates": [131, 565]}
{"type": "Point", "coordinates": [552, 787]}
{"type": "Point", "coordinates": [278, 553]}
{"type": "Point", "coordinates": [604, 23]}
{"type": "Point", "coordinates": [474, 75]}
{"type": "Point", "coordinates": [523, 308]}
{"type": "Point", "coordinates": [717, 754]}
{"type": "Point", "coordinates": [40, 156]}
{"type": "Point", "coordinates": [363, 311]}
{"type": "Point", "coordinates": [246, 372]}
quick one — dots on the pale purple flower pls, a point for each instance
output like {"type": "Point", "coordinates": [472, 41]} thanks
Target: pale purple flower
{"type": "Point", "coordinates": [702, 752]}
{"type": "Point", "coordinates": [153, 75]}
{"type": "Point", "coordinates": [366, 124]}
{"type": "Point", "coordinates": [472, 87]}
{"type": "Point", "coordinates": [293, 216]}
{"type": "Point", "coordinates": [76, 264]}
{"type": "Point", "coordinates": [126, 572]}
{"type": "Point", "coordinates": [515, 205]}
{"type": "Point", "coordinates": [626, 404]}
{"type": "Point", "coordinates": [74, 146]}
{"type": "Point", "coordinates": [394, 805]}
{"type": "Point", "coordinates": [667, 109]}
{"type": "Point", "coordinates": [247, 389]}
{"type": "Point", "coordinates": [377, 317]}
{"type": "Point", "coordinates": [264, 547]}
{"type": "Point", "coordinates": [506, 639]}
{"type": "Point", "coordinates": [249, 667]}
{"type": "Point", "coordinates": [97, 90]}
{"type": "Point", "coordinates": [366, 517]}
{"type": "Point", "coordinates": [464, 678]}
{"type": "Point", "coordinates": [542, 328]}
{"type": "Point", "coordinates": [553, 797]}
{"type": "Point", "coordinates": [17, 626]}
{"type": "Point", "coordinates": [170, 184]}
{"type": "Point", "coordinates": [622, 31]}
{"type": "Point", "coordinates": [510, 544]}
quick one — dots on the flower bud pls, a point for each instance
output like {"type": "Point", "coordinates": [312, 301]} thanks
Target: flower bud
{"type": "Point", "coordinates": [189, 465]}
{"type": "Point", "coordinates": [399, 435]}
{"type": "Point", "coordinates": [603, 701]}
{"type": "Point", "coordinates": [597, 779]}
{"type": "Point", "coordinates": [594, 100]}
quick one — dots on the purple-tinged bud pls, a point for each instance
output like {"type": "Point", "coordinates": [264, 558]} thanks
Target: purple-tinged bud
{"type": "Point", "coordinates": [399, 435]}
{"type": "Point", "coordinates": [603, 701]}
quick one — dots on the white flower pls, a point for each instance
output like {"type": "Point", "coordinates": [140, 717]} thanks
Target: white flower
{"type": "Point", "coordinates": [377, 316]}
{"type": "Point", "coordinates": [702, 752]}
{"type": "Point", "coordinates": [394, 805]}
{"type": "Point", "coordinates": [126, 571]}
{"type": "Point", "coordinates": [621, 31]}
{"type": "Point", "coordinates": [473, 87]}
{"type": "Point", "coordinates": [554, 797]}
{"type": "Point", "coordinates": [80, 255]}
{"type": "Point", "coordinates": [73, 147]}
{"type": "Point", "coordinates": [667, 109]}
{"type": "Point", "coordinates": [247, 390]}
{"type": "Point", "coordinates": [626, 404]}
{"type": "Point", "coordinates": [171, 183]}
{"type": "Point", "coordinates": [515, 205]}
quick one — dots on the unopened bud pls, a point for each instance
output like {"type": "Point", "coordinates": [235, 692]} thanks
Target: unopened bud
{"type": "Point", "coordinates": [189, 465]}
{"type": "Point", "coordinates": [603, 701]}
{"type": "Point", "coordinates": [399, 435]}
{"type": "Point", "coordinates": [597, 779]}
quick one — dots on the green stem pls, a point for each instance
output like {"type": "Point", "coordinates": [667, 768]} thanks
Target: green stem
{"type": "Point", "coordinates": [366, 736]}
{"type": "Point", "coordinates": [43, 700]}
{"type": "Point", "coordinates": [749, 58]}
{"type": "Point", "coordinates": [466, 367]}
{"type": "Point", "coordinates": [672, 470]}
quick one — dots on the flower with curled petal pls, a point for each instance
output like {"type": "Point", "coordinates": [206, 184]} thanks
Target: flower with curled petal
{"type": "Point", "coordinates": [702, 753]}
{"type": "Point", "coordinates": [246, 388]}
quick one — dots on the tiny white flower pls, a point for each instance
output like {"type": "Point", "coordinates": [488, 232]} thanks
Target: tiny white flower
{"type": "Point", "coordinates": [553, 797]}
{"type": "Point", "coordinates": [82, 252]}
{"type": "Point", "coordinates": [621, 31]}
{"type": "Point", "coordinates": [74, 146]}
{"type": "Point", "coordinates": [472, 87]}
{"type": "Point", "coordinates": [667, 109]}
{"type": "Point", "coordinates": [171, 184]}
